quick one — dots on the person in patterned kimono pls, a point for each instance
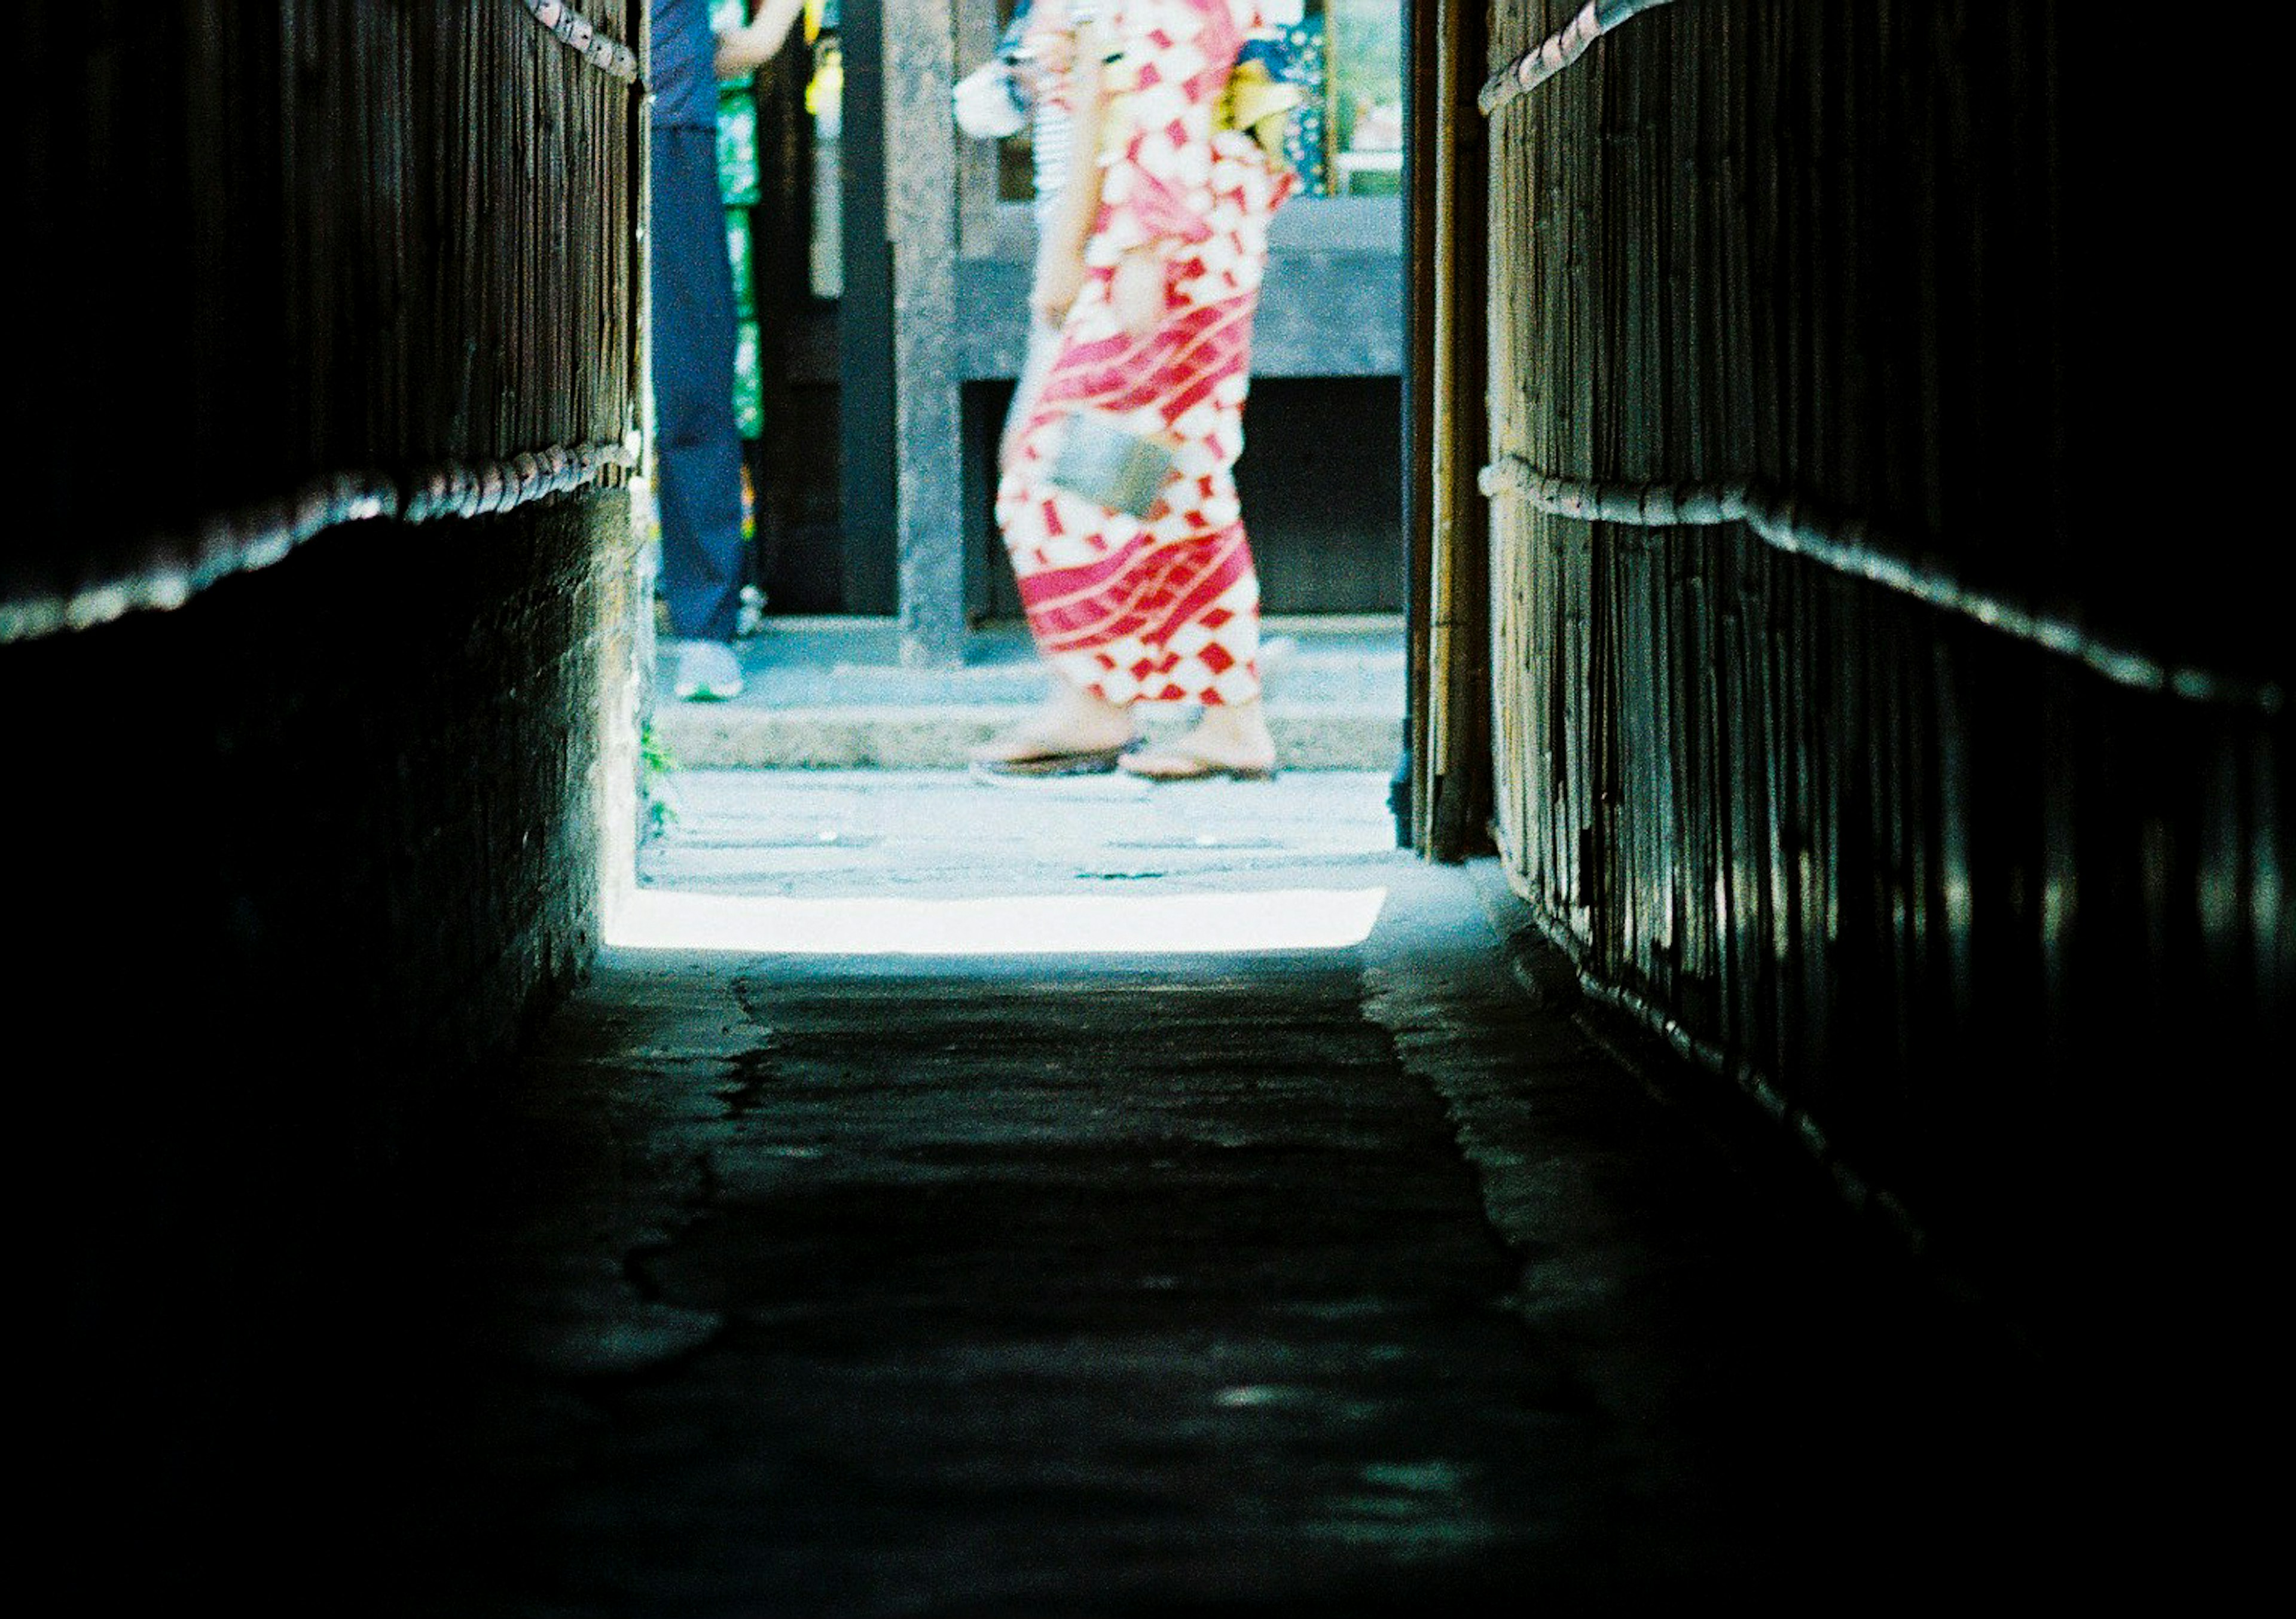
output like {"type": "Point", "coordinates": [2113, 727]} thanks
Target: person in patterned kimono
{"type": "Point", "coordinates": [1138, 582]}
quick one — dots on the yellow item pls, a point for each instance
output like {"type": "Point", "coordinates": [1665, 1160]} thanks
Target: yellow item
{"type": "Point", "coordinates": [1257, 105]}
{"type": "Point", "coordinates": [827, 85]}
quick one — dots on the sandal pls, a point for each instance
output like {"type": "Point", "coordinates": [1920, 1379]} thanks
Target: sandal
{"type": "Point", "coordinates": [1190, 766]}
{"type": "Point", "coordinates": [1079, 762]}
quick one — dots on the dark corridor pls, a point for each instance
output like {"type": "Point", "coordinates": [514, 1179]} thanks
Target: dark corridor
{"type": "Point", "coordinates": [1890, 723]}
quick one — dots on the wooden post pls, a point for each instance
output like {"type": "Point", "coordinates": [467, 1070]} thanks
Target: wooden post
{"type": "Point", "coordinates": [1450, 727]}
{"type": "Point", "coordinates": [921, 220]}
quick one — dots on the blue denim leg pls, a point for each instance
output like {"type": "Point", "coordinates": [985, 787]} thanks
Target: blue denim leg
{"type": "Point", "coordinates": [698, 446]}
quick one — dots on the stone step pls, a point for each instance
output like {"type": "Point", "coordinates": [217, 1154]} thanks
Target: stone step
{"type": "Point", "coordinates": [937, 736]}
{"type": "Point", "coordinates": [830, 694]}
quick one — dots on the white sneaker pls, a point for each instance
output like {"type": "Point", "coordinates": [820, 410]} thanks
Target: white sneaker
{"type": "Point", "coordinates": [707, 671]}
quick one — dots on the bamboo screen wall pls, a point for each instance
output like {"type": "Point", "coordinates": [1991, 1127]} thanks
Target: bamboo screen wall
{"type": "Point", "coordinates": [1857, 756]}
{"type": "Point", "coordinates": [298, 263]}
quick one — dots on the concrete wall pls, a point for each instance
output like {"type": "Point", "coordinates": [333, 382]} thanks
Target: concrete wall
{"type": "Point", "coordinates": [295, 866]}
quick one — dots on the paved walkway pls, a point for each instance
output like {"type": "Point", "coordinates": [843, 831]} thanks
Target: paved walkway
{"type": "Point", "coordinates": [908, 1242]}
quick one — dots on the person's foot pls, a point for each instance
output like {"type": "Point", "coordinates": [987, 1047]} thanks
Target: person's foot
{"type": "Point", "coordinates": [707, 671]}
{"type": "Point", "coordinates": [1231, 741]}
{"type": "Point", "coordinates": [1181, 761]}
{"type": "Point", "coordinates": [1070, 730]}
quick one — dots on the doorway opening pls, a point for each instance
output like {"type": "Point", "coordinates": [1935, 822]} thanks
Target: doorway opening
{"type": "Point", "coordinates": [840, 456]}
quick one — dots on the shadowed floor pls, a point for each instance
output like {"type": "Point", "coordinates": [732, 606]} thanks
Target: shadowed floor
{"type": "Point", "coordinates": [1365, 1279]}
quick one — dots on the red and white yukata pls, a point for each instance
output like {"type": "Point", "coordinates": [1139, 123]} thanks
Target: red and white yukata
{"type": "Point", "coordinates": [1163, 608]}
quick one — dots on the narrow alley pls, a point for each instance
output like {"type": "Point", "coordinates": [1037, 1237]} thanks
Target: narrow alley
{"type": "Point", "coordinates": [1732, 1061]}
{"type": "Point", "coordinates": [1340, 1278]}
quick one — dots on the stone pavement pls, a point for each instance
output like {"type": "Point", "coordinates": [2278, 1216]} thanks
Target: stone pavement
{"type": "Point", "coordinates": [831, 694]}
{"type": "Point", "coordinates": [1088, 1198]}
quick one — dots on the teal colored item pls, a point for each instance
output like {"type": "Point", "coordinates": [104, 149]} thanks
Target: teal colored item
{"type": "Point", "coordinates": [737, 148]}
{"type": "Point", "coordinates": [1305, 142]}
{"type": "Point", "coordinates": [749, 381]}
{"type": "Point", "coordinates": [738, 181]}
{"type": "Point", "coordinates": [737, 252]}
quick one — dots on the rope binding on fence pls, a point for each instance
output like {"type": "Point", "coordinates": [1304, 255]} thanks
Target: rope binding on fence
{"type": "Point", "coordinates": [582, 35]}
{"type": "Point", "coordinates": [167, 571]}
{"type": "Point", "coordinates": [1558, 51]}
{"type": "Point", "coordinates": [1789, 525]}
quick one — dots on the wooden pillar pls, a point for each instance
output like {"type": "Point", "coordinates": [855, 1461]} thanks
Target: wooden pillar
{"type": "Point", "coordinates": [1420, 121]}
{"type": "Point", "coordinates": [866, 495]}
{"type": "Point", "coordinates": [920, 140]}
{"type": "Point", "coordinates": [1449, 587]}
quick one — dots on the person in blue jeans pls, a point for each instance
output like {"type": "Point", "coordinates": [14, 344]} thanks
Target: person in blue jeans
{"type": "Point", "coordinates": [697, 444]}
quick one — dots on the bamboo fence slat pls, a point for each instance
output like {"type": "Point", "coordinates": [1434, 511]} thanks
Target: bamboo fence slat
{"type": "Point", "coordinates": [1832, 736]}
{"type": "Point", "coordinates": [368, 261]}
